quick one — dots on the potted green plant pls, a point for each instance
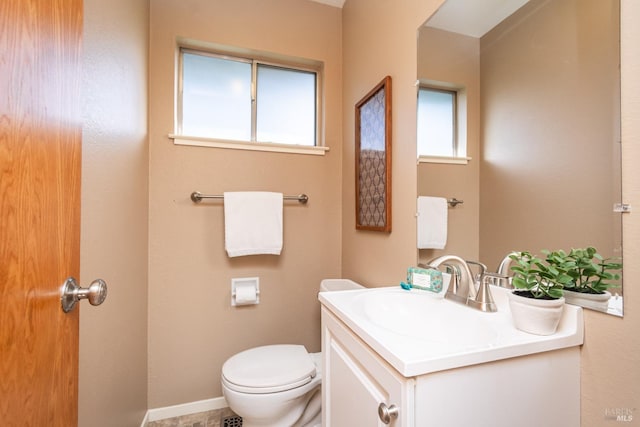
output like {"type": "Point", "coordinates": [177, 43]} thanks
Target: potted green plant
{"type": "Point", "coordinates": [591, 275]}
{"type": "Point", "coordinates": [537, 299]}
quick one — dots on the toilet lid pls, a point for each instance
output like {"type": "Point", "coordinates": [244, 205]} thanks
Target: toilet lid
{"type": "Point", "coordinates": [269, 369]}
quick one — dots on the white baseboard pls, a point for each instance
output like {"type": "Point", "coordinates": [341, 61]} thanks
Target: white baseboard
{"type": "Point", "coordinates": [184, 409]}
{"type": "Point", "coordinates": [145, 420]}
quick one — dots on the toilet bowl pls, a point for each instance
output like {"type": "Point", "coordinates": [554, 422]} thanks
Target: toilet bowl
{"type": "Point", "coordinates": [278, 385]}
{"type": "Point", "coordinates": [273, 385]}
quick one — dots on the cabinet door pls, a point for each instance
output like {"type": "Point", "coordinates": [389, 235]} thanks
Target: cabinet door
{"type": "Point", "coordinates": [356, 381]}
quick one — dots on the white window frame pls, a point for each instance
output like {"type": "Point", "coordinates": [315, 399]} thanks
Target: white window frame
{"type": "Point", "coordinates": [459, 122]}
{"type": "Point", "coordinates": [254, 57]}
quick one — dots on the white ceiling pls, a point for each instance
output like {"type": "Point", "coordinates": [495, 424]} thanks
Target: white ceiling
{"type": "Point", "coordinates": [469, 17]}
{"type": "Point", "coordinates": [473, 17]}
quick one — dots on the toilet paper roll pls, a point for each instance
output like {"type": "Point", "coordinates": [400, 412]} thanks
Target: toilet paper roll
{"type": "Point", "coordinates": [246, 294]}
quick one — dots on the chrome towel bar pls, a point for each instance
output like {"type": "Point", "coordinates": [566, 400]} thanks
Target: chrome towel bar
{"type": "Point", "coordinates": [197, 197]}
{"type": "Point", "coordinates": [453, 202]}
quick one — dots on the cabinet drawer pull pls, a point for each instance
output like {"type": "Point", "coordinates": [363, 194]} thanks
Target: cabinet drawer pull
{"type": "Point", "coordinates": [387, 414]}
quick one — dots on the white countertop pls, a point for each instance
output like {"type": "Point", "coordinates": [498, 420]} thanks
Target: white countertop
{"type": "Point", "coordinates": [418, 334]}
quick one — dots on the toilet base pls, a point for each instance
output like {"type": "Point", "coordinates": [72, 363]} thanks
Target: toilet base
{"type": "Point", "coordinates": [312, 415]}
{"type": "Point", "coordinates": [277, 411]}
{"type": "Point", "coordinates": [315, 422]}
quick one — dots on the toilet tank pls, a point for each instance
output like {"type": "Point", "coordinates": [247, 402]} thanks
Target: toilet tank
{"type": "Point", "coordinates": [328, 285]}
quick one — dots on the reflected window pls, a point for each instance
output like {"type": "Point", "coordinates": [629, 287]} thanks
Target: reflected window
{"type": "Point", "coordinates": [437, 123]}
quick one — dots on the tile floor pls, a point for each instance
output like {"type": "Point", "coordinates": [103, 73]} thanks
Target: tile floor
{"type": "Point", "coordinates": [213, 418]}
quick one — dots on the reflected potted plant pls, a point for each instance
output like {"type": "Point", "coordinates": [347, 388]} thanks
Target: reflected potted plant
{"type": "Point", "coordinates": [537, 300]}
{"type": "Point", "coordinates": [591, 276]}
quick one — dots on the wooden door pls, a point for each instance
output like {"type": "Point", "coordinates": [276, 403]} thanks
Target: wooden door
{"type": "Point", "coordinates": [40, 155]}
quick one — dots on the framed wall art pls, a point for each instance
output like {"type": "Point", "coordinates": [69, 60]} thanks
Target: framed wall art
{"type": "Point", "coordinates": [373, 159]}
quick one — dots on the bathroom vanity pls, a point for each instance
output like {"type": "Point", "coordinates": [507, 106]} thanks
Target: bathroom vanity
{"type": "Point", "coordinates": [405, 358]}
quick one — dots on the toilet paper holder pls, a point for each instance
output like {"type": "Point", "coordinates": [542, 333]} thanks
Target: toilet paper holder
{"type": "Point", "coordinates": [245, 291]}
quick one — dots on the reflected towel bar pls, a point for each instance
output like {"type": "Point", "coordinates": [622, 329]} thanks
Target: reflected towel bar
{"type": "Point", "coordinates": [197, 197]}
{"type": "Point", "coordinates": [454, 202]}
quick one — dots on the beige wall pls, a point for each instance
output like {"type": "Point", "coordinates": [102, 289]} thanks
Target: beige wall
{"type": "Point", "coordinates": [379, 39]}
{"type": "Point", "coordinates": [192, 327]}
{"type": "Point", "coordinates": [549, 82]}
{"type": "Point", "coordinates": [113, 337]}
{"type": "Point", "coordinates": [523, 85]}
{"type": "Point", "coordinates": [454, 58]}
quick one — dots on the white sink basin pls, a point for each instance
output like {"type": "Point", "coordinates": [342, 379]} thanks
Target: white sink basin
{"type": "Point", "coordinates": [417, 333]}
{"type": "Point", "coordinates": [421, 317]}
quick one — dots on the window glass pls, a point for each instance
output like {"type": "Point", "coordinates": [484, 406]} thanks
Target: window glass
{"type": "Point", "coordinates": [246, 99]}
{"type": "Point", "coordinates": [436, 122]}
{"type": "Point", "coordinates": [286, 107]}
{"type": "Point", "coordinates": [216, 97]}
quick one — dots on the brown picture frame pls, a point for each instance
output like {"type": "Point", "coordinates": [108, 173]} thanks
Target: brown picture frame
{"type": "Point", "coordinates": [373, 159]}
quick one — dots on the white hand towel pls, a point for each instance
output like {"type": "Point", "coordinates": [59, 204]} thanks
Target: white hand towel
{"type": "Point", "coordinates": [253, 223]}
{"type": "Point", "coordinates": [432, 222]}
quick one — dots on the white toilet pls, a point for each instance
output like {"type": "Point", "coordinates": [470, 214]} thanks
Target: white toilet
{"type": "Point", "coordinates": [278, 385]}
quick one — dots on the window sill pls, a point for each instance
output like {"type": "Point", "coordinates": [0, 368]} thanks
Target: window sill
{"type": "Point", "coordinates": [445, 160]}
{"type": "Point", "coordinates": [252, 146]}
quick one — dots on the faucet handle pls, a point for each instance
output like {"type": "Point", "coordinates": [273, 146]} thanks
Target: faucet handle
{"type": "Point", "coordinates": [498, 279]}
{"type": "Point", "coordinates": [484, 294]}
{"type": "Point", "coordinates": [481, 267]}
{"type": "Point", "coordinates": [484, 300]}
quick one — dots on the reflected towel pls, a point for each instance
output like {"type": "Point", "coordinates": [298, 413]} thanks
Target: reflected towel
{"type": "Point", "coordinates": [252, 223]}
{"type": "Point", "coordinates": [432, 222]}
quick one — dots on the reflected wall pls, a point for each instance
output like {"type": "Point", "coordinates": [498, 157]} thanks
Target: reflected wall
{"type": "Point", "coordinates": [551, 112]}
{"type": "Point", "coordinates": [543, 131]}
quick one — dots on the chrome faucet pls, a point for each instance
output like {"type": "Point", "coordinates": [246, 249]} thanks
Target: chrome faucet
{"type": "Point", "coordinates": [503, 268]}
{"type": "Point", "coordinates": [502, 276]}
{"type": "Point", "coordinates": [462, 278]}
{"type": "Point", "coordinates": [464, 285]}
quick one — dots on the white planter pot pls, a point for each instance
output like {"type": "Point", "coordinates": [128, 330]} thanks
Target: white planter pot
{"type": "Point", "coordinates": [594, 301]}
{"type": "Point", "coordinates": [535, 316]}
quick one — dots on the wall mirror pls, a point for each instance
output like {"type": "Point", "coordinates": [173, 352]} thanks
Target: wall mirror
{"type": "Point", "coordinates": [539, 111]}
